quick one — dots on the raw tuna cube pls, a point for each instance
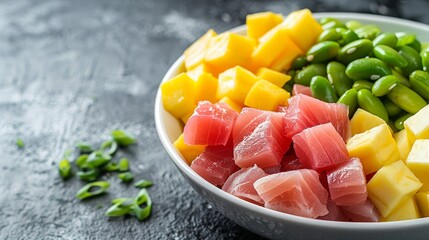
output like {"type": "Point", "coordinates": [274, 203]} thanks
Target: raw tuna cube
{"type": "Point", "coordinates": [215, 164]}
{"type": "Point", "coordinates": [290, 162]}
{"type": "Point", "coordinates": [301, 89]}
{"type": "Point", "coordinates": [335, 213]}
{"type": "Point", "coordinates": [211, 124]}
{"type": "Point", "coordinates": [259, 139]}
{"type": "Point", "coordinates": [272, 170]}
{"type": "Point", "coordinates": [347, 183]}
{"type": "Point", "coordinates": [365, 212]}
{"type": "Point", "coordinates": [320, 147]}
{"type": "Point", "coordinates": [304, 112]}
{"type": "Point", "coordinates": [297, 192]}
{"type": "Point", "coordinates": [240, 184]}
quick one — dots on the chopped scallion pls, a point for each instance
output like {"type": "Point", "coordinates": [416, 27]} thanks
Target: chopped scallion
{"type": "Point", "coordinates": [123, 138]}
{"type": "Point", "coordinates": [143, 183]}
{"type": "Point", "coordinates": [92, 189]}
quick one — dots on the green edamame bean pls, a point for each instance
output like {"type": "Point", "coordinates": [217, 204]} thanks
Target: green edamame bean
{"type": "Point", "coordinates": [327, 19]}
{"type": "Point", "coordinates": [399, 122]}
{"type": "Point", "coordinates": [425, 60]}
{"type": "Point", "coordinates": [322, 89]}
{"type": "Point", "coordinates": [391, 108]}
{"type": "Point", "coordinates": [333, 34]}
{"type": "Point", "coordinates": [420, 83]}
{"type": "Point", "coordinates": [404, 38]}
{"type": "Point", "coordinates": [347, 37]}
{"type": "Point", "coordinates": [337, 76]}
{"type": "Point", "coordinates": [362, 84]}
{"type": "Point", "coordinates": [406, 99]}
{"type": "Point", "coordinates": [349, 98]}
{"type": "Point", "coordinates": [367, 68]}
{"type": "Point", "coordinates": [416, 45]}
{"type": "Point", "coordinates": [334, 23]}
{"type": "Point", "coordinates": [402, 80]}
{"type": "Point", "coordinates": [383, 85]}
{"type": "Point", "coordinates": [353, 25]}
{"type": "Point", "coordinates": [389, 56]}
{"type": "Point", "coordinates": [304, 76]}
{"type": "Point", "coordinates": [368, 102]}
{"type": "Point", "coordinates": [354, 50]}
{"type": "Point", "coordinates": [299, 62]}
{"type": "Point", "coordinates": [413, 58]}
{"type": "Point", "coordinates": [322, 51]}
{"type": "Point", "coordinates": [387, 39]}
{"type": "Point", "coordinates": [368, 31]}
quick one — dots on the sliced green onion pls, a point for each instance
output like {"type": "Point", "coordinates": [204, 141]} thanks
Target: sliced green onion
{"type": "Point", "coordinates": [126, 177]}
{"type": "Point", "coordinates": [143, 205]}
{"type": "Point", "coordinates": [64, 169]}
{"type": "Point", "coordinates": [89, 175]}
{"type": "Point", "coordinates": [20, 143]}
{"type": "Point", "coordinates": [92, 189]}
{"type": "Point", "coordinates": [109, 147]}
{"type": "Point", "coordinates": [143, 183]}
{"type": "Point", "coordinates": [124, 164]}
{"type": "Point", "coordinates": [121, 207]}
{"type": "Point", "coordinates": [111, 167]}
{"type": "Point", "coordinates": [97, 159]}
{"type": "Point", "coordinates": [84, 147]}
{"type": "Point", "coordinates": [81, 161]}
{"type": "Point", "coordinates": [122, 138]}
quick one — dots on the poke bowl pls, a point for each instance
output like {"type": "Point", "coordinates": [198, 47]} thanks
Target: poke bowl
{"type": "Point", "coordinates": [274, 224]}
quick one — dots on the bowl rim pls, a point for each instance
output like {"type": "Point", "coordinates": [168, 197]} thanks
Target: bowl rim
{"type": "Point", "coordinates": [268, 213]}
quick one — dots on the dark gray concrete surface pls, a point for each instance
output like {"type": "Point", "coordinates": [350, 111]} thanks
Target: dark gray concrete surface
{"type": "Point", "coordinates": [75, 70]}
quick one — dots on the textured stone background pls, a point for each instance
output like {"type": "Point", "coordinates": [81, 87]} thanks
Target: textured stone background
{"type": "Point", "coordinates": [74, 70]}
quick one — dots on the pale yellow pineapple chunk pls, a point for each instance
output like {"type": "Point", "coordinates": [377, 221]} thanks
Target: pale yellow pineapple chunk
{"type": "Point", "coordinates": [189, 152]}
{"type": "Point", "coordinates": [363, 121]}
{"type": "Point", "coordinates": [417, 126]}
{"type": "Point", "coordinates": [403, 144]}
{"type": "Point", "coordinates": [418, 161]}
{"type": "Point", "coordinates": [406, 211]}
{"type": "Point", "coordinates": [423, 203]}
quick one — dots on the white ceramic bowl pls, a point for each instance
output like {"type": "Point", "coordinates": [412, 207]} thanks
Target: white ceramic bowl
{"type": "Point", "coordinates": [277, 225]}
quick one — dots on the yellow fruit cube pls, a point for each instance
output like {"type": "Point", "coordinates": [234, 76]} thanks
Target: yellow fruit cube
{"type": "Point", "coordinates": [423, 203]}
{"type": "Point", "coordinates": [363, 121]}
{"type": "Point", "coordinates": [201, 68]}
{"type": "Point", "coordinates": [260, 23]}
{"type": "Point", "coordinates": [233, 105]}
{"type": "Point", "coordinates": [277, 78]}
{"type": "Point", "coordinates": [268, 51]}
{"type": "Point", "coordinates": [205, 88]}
{"type": "Point", "coordinates": [194, 55]}
{"type": "Point", "coordinates": [406, 211]}
{"type": "Point", "coordinates": [189, 152]}
{"type": "Point", "coordinates": [418, 161]}
{"type": "Point", "coordinates": [285, 59]}
{"type": "Point", "coordinates": [417, 126]}
{"type": "Point", "coordinates": [266, 96]}
{"type": "Point", "coordinates": [375, 148]}
{"type": "Point", "coordinates": [235, 84]}
{"type": "Point", "coordinates": [403, 144]}
{"type": "Point", "coordinates": [228, 50]}
{"type": "Point", "coordinates": [392, 186]}
{"type": "Point", "coordinates": [178, 95]}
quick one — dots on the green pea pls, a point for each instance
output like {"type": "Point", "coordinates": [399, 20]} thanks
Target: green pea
{"type": "Point", "coordinates": [333, 34]}
{"type": "Point", "coordinates": [92, 189]}
{"type": "Point", "coordinates": [397, 72]}
{"type": "Point", "coordinates": [333, 23]}
{"type": "Point", "coordinates": [368, 102]}
{"type": "Point", "coordinates": [389, 56]}
{"type": "Point", "coordinates": [347, 37]}
{"type": "Point", "coordinates": [320, 52]}
{"type": "Point", "coordinates": [338, 78]}
{"type": "Point", "coordinates": [404, 38]}
{"type": "Point", "coordinates": [368, 31]}
{"type": "Point", "coordinates": [413, 58]}
{"type": "Point", "coordinates": [420, 83]}
{"type": "Point", "coordinates": [353, 25]}
{"type": "Point", "coordinates": [387, 39]}
{"type": "Point", "coordinates": [362, 84]}
{"type": "Point", "coordinates": [383, 85]}
{"type": "Point", "coordinates": [367, 68]}
{"type": "Point", "coordinates": [406, 99]}
{"type": "Point", "coordinates": [391, 108]}
{"type": "Point", "coordinates": [304, 76]}
{"type": "Point", "coordinates": [354, 50]}
{"type": "Point", "coordinates": [416, 45]}
{"type": "Point", "coordinates": [425, 60]}
{"type": "Point", "coordinates": [399, 122]}
{"type": "Point", "coordinates": [299, 63]}
{"type": "Point", "coordinates": [349, 98]}
{"type": "Point", "coordinates": [322, 89]}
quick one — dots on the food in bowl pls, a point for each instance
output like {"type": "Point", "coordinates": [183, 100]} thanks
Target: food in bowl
{"type": "Point", "coordinates": [267, 117]}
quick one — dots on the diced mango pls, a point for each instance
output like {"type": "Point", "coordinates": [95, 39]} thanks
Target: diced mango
{"type": "Point", "coordinates": [392, 186]}
{"type": "Point", "coordinates": [178, 95]}
{"type": "Point", "coordinates": [418, 161]}
{"type": "Point", "coordinates": [268, 51]}
{"type": "Point", "coordinates": [363, 121]}
{"type": "Point", "coordinates": [285, 59]}
{"type": "Point", "coordinates": [194, 55]}
{"type": "Point", "coordinates": [189, 152]}
{"type": "Point", "coordinates": [375, 148]}
{"type": "Point", "coordinates": [274, 77]}
{"type": "Point", "coordinates": [406, 211]}
{"type": "Point", "coordinates": [233, 105]}
{"type": "Point", "coordinates": [205, 88]}
{"type": "Point", "coordinates": [235, 84]}
{"type": "Point", "coordinates": [186, 117]}
{"type": "Point", "coordinates": [417, 126]}
{"type": "Point", "coordinates": [201, 68]}
{"type": "Point", "coordinates": [266, 96]}
{"type": "Point", "coordinates": [403, 144]}
{"type": "Point", "coordinates": [260, 23]}
{"type": "Point", "coordinates": [423, 203]}
{"type": "Point", "coordinates": [228, 50]}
